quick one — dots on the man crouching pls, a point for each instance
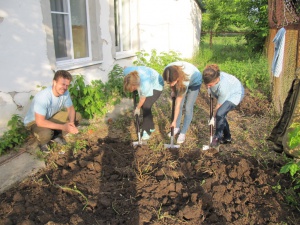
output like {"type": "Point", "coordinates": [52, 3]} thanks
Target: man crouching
{"type": "Point", "coordinates": [45, 117]}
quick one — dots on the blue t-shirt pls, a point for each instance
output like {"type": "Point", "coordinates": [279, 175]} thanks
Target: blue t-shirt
{"type": "Point", "coordinates": [150, 79]}
{"type": "Point", "coordinates": [47, 104]}
{"type": "Point", "coordinates": [194, 76]}
{"type": "Point", "coordinates": [229, 88]}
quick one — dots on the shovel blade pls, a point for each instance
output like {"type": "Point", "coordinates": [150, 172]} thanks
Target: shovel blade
{"type": "Point", "coordinates": [171, 146]}
{"type": "Point", "coordinates": [139, 143]}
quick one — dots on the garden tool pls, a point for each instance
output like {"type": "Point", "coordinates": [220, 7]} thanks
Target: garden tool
{"type": "Point", "coordinates": [171, 145]}
{"type": "Point", "coordinates": [211, 126]}
{"type": "Point", "coordinates": [137, 124]}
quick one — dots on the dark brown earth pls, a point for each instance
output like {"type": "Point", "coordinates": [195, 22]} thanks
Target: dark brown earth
{"type": "Point", "coordinates": [102, 179]}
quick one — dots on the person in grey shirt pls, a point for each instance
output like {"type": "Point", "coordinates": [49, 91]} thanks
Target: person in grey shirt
{"type": "Point", "coordinates": [229, 92]}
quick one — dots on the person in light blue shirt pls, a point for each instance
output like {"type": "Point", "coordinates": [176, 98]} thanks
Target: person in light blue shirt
{"type": "Point", "coordinates": [149, 85]}
{"type": "Point", "coordinates": [185, 81]}
{"type": "Point", "coordinates": [46, 115]}
{"type": "Point", "coordinates": [229, 92]}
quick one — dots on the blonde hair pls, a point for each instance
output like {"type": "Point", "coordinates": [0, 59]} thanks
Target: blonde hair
{"type": "Point", "coordinates": [172, 73]}
{"type": "Point", "coordinates": [131, 79]}
{"type": "Point", "coordinates": [211, 73]}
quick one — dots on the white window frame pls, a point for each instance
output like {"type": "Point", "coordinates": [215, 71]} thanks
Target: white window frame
{"type": "Point", "coordinates": [120, 53]}
{"type": "Point", "coordinates": [73, 61]}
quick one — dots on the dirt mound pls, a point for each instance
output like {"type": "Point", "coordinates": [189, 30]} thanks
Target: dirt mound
{"type": "Point", "coordinates": [110, 182]}
{"type": "Point", "coordinates": [103, 180]}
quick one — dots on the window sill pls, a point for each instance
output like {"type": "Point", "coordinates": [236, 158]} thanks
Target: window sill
{"type": "Point", "coordinates": [123, 55]}
{"type": "Point", "coordinates": [73, 66]}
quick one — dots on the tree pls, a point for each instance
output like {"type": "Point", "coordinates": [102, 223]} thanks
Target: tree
{"type": "Point", "coordinates": [248, 16]}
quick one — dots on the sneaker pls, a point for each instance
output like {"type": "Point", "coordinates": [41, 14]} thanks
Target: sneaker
{"type": "Point", "coordinates": [60, 141]}
{"type": "Point", "coordinates": [45, 148]}
{"type": "Point", "coordinates": [176, 131]}
{"type": "Point", "coordinates": [214, 143]}
{"type": "Point", "coordinates": [181, 138]}
{"type": "Point", "coordinates": [145, 136]}
{"type": "Point", "coordinates": [152, 130]}
{"type": "Point", "coordinates": [225, 141]}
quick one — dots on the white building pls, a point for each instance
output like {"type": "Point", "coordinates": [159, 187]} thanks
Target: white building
{"type": "Point", "coordinates": [88, 37]}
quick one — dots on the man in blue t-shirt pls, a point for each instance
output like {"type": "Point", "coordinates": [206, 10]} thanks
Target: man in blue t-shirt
{"type": "Point", "coordinates": [229, 92]}
{"type": "Point", "coordinates": [45, 114]}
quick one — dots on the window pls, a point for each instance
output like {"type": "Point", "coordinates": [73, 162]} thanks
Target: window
{"type": "Point", "coordinates": [122, 25]}
{"type": "Point", "coordinates": [70, 30]}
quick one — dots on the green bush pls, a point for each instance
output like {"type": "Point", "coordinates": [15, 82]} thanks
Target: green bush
{"type": "Point", "coordinates": [156, 61]}
{"type": "Point", "coordinates": [15, 136]}
{"type": "Point", "coordinates": [92, 99]}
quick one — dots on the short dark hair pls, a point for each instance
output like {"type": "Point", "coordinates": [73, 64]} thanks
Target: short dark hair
{"type": "Point", "coordinates": [62, 73]}
{"type": "Point", "coordinates": [210, 73]}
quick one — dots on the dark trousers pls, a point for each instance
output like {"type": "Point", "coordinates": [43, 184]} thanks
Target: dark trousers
{"type": "Point", "coordinates": [222, 126]}
{"type": "Point", "coordinates": [147, 111]}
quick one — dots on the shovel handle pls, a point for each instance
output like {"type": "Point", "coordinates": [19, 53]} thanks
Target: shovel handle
{"type": "Point", "coordinates": [211, 115]}
{"type": "Point", "coordinates": [172, 116]}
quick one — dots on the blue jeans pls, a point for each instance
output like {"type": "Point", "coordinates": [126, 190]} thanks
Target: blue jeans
{"type": "Point", "coordinates": [222, 126]}
{"type": "Point", "coordinates": [190, 99]}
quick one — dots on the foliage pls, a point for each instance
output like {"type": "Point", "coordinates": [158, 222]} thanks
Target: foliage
{"type": "Point", "coordinates": [294, 135]}
{"type": "Point", "coordinates": [238, 16]}
{"type": "Point", "coordinates": [15, 136]}
{"type": "Point", "coordinates": [293, 168]}
{"type": "Point", "coordinates": [92, 99]}
{"type": "Point", "coordinates": [156, 61]}
{"type": "Point", "coordinates": [233, 57]}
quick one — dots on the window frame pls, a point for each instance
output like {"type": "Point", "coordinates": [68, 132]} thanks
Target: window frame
{"type": "Point", "coordinates": [72, 60]}
{"type": "Point", "coordinates": [120, 53]}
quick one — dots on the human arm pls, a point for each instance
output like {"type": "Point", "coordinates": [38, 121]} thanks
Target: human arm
{"type": "Point", "coordinates": [41, 121]}
{"type": "Point", "coordinates": [139, 106]}
{"type": "Point", "coordinates": [177, 109]}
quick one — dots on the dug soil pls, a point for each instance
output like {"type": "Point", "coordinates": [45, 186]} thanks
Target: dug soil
{"type": "Point", "coordinates": [101, 179]}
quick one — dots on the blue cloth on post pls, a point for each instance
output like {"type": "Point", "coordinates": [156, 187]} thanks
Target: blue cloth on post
{"type": "Point", "coordinates": [279, 41]}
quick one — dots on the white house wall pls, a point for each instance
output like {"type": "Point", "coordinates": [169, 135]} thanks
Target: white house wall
{"type": "Point", "coordinates": [23, 55]}
{"type": "Point", "coordinates": [167, 25]}
{"type": "Point", "coordinates": [27, 55]}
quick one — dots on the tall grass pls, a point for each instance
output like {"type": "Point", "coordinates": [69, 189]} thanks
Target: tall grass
{"type": "Point", "coordinates": [233, 57]}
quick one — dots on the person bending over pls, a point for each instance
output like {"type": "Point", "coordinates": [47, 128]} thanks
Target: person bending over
{"type": "Point", "coordinates": [185, 81]}
{"type": "Point", "coordinates": [229, 92]}
{"type": "Point", "coordinates": [149, 85]}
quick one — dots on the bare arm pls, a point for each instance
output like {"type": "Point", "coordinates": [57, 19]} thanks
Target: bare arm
{"type": "Point", "coordinates": [177, 110]}
{"type": "Point", "coordinates": [141, 102]}
{"type": "Point", "coordinates": [41, 121]}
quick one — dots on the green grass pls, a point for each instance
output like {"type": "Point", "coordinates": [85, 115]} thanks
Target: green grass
{"type": "Point", "coordinates": [233, 56]}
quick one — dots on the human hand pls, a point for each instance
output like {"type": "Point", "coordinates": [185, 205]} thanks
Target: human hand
{"type": "Point", "coordinates": [212, 121]}
{"type": "Point", "coordinates": [137, 111]}
{"type": "Point", "coordinates": [173, 124]}
{"type": "Point", "coordinates": [71, 128]}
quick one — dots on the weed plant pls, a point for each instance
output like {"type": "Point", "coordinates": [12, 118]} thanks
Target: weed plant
{"type": "Point", "coordinates": [15, 136]}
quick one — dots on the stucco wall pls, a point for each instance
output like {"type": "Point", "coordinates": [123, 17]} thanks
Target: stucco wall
{"type": "Point", "coordinates": [170, 25]}
{"type": "Point", "coordinates": [23, 56]}
{"type": "Point", "coordinates": [27, 55]}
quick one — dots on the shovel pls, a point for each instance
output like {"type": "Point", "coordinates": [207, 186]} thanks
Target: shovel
{"type": "Point", "coordinates": [211, 127]}
{"type": "Point", "coordinates": [137, 124]}
{"type": "Point", "coordinates": [139, 142]}
{"type": "Point", "coordinates": [171, 145]}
